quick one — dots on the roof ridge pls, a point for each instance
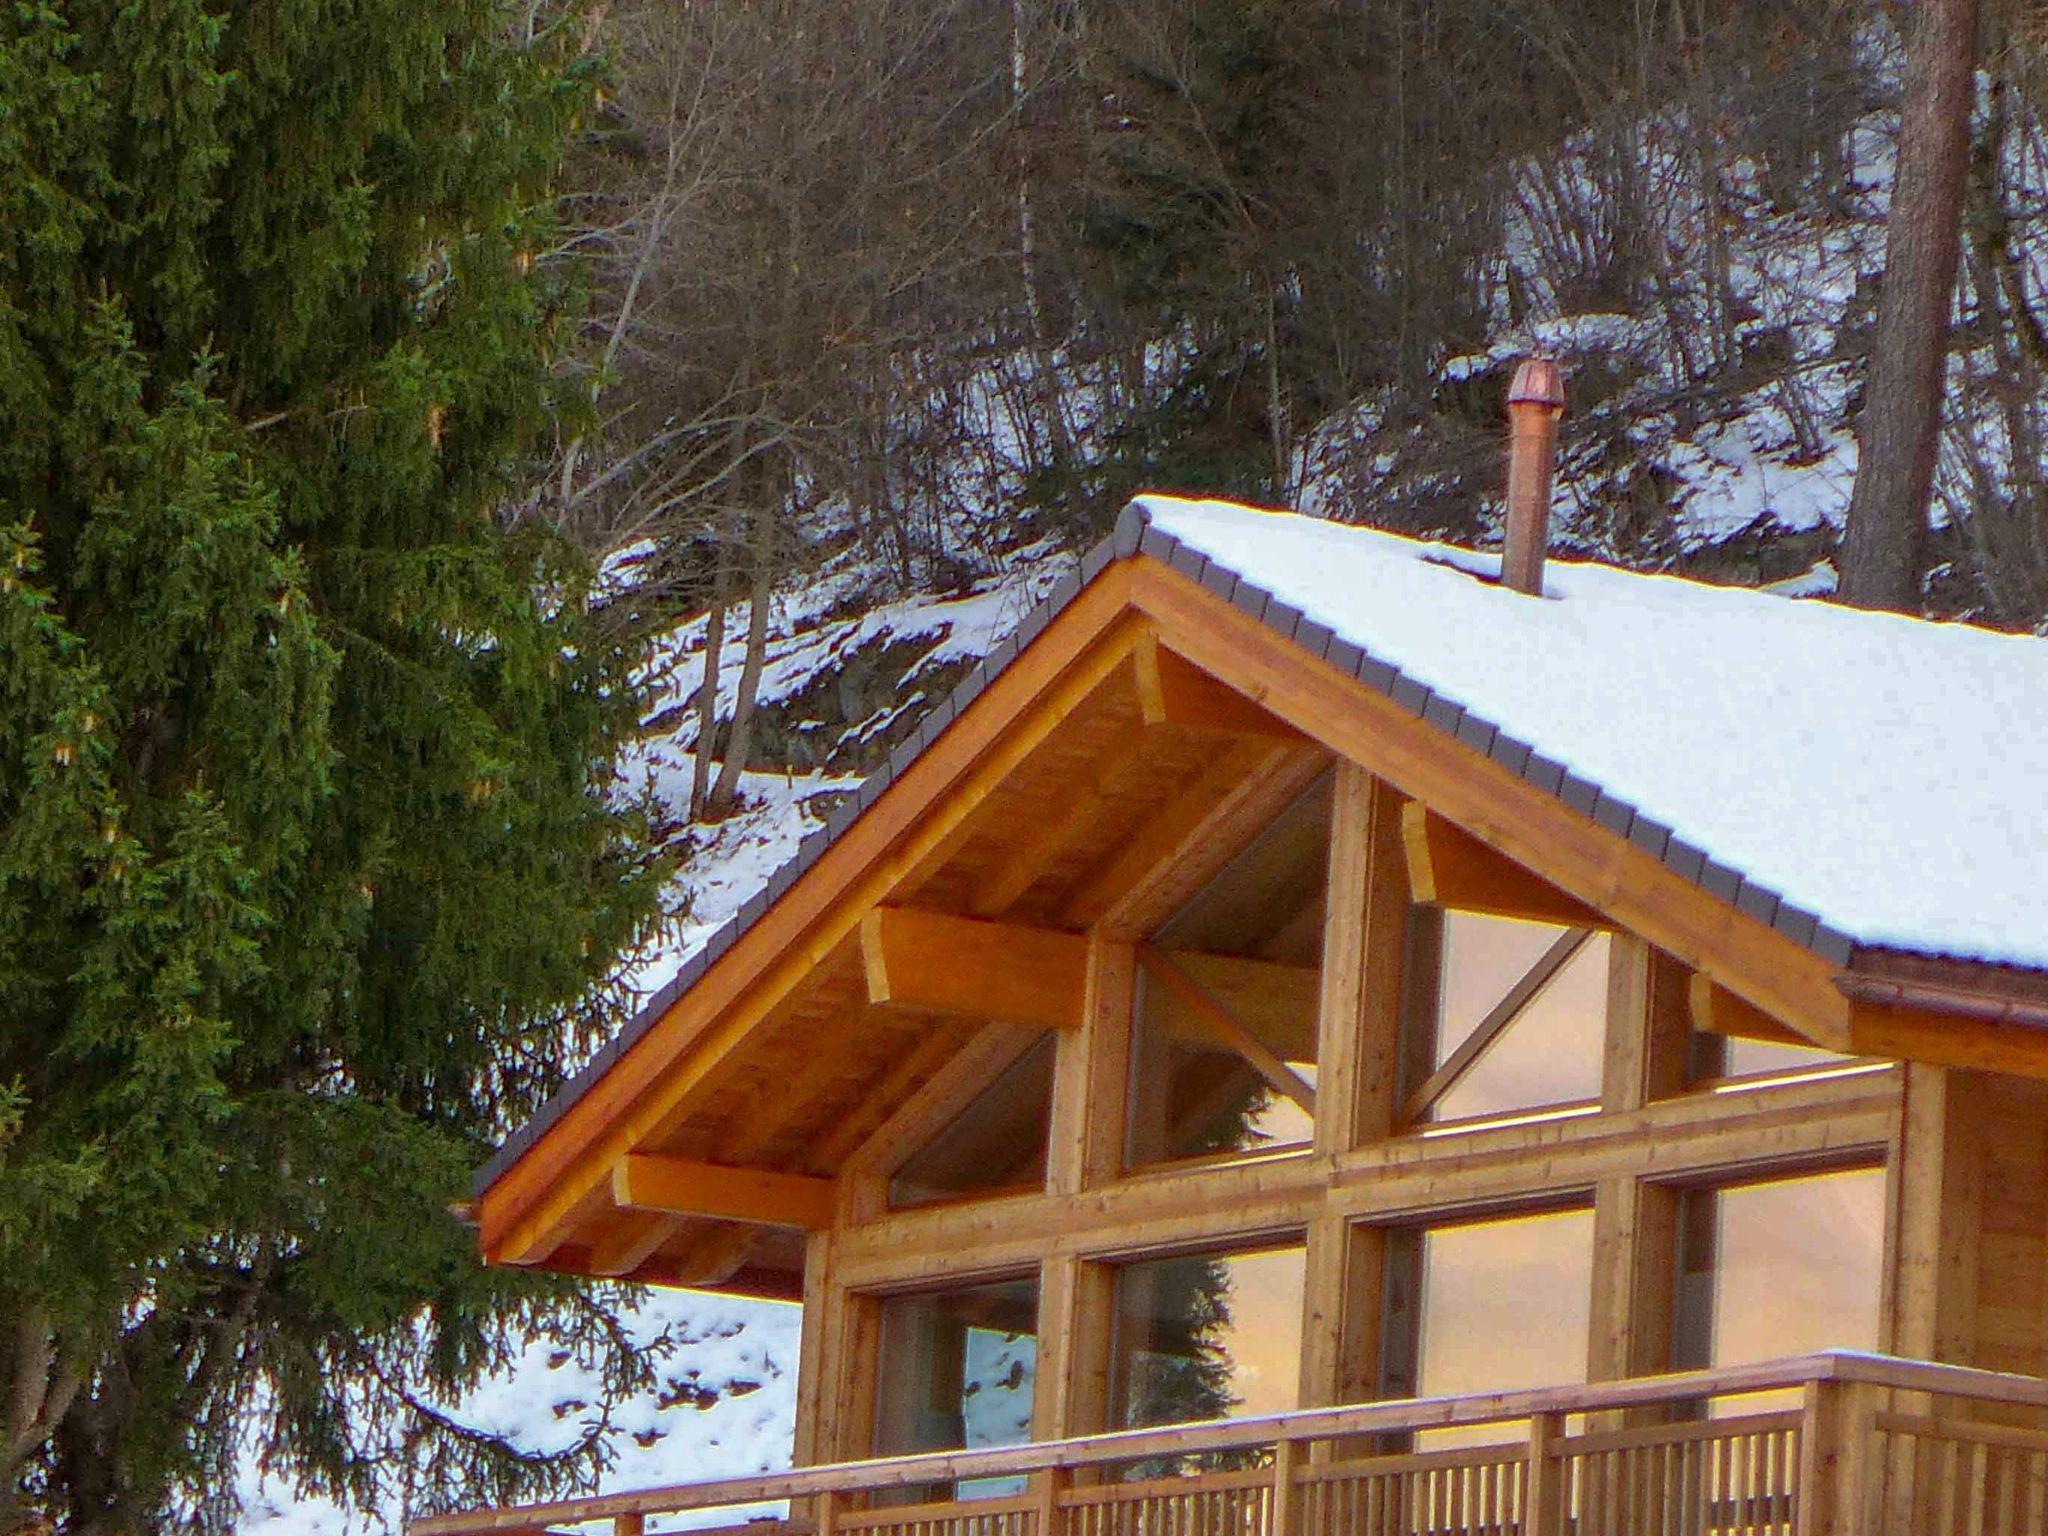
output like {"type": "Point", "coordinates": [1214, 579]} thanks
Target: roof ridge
{"type": "Point", "coordinates": [1134, 534]}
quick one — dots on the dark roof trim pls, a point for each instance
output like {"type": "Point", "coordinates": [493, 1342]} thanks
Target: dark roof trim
{"type": "Point", "coordinates": [1135, 534]}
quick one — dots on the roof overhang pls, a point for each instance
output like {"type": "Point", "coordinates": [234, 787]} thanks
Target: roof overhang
{"type": "Point", "coordinates": [1483, 796]}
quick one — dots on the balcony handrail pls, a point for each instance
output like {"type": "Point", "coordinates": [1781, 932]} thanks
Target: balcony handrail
{"type": "Point", "coordinates": [1418, 1413]}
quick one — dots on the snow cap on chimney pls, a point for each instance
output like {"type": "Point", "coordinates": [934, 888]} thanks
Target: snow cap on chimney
{"type": "Point", "coordinates": [1535, 401]}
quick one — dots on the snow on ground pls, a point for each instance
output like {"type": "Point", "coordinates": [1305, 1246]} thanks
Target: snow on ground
{"type": "Point", "coordinates": [1884, 773]}
{"type": "Point", "coordinates": [723, 1408]}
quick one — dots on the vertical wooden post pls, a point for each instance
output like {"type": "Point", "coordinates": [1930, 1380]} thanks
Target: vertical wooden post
{"type": "Point", "coordinates": [1086, 1146]}
{"type": "Point", "coordinates": [1635, 1223]}
{"type": "Point", "coordinates": [1838, 1462]}
{"type": "Point", "coordinates": [629, 1525]}
{"type": "Point", "coordinates": [1090, 1074]}
{"type": "Point", "coordinates": [1543, 1513]}
{"type": "Point", "coordinates": [1365, 925]}
{"type": "Point", "coordinates": [1071, 1390]}
{"type": "Point", "coordinates": [1936, 1184]}
{"type": "Point", "coordinates": [1286, 1519]}
{"type": "Point", "coordinates": [825, 1512]}
{"type": "Point", "coordinates": [813, 1353]}
{"type": "Point", "coordinates": [1342, 1288]}
{"type": "Point", "coordinates": [1046, 1488]}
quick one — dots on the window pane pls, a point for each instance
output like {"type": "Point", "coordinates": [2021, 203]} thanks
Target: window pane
{"type": "Point", "coordinates": [1207, 1336]}
{"type": "Point", "coordinates": [1551, 1051]}
{"type": "Point", "coordinates": [1506, 1304]}
{"type": "Point", "coordinates": [996, 1143]}
{"type": "Point", "coordinates": [1747, 1058]}
{"type": "Point", "coordinates": [1237, 964]}
{"type": "Point", "coordinates": [957, 1371]}
{"type": "Point", "coordinates": [1783, 1268]}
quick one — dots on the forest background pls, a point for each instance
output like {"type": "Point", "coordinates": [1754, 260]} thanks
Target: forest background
{"type": "Point", "coordinates": [796, 319]}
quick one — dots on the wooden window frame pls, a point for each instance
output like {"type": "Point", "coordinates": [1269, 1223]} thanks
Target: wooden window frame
{"type": "Point", "coordinates": [1365, 1175]}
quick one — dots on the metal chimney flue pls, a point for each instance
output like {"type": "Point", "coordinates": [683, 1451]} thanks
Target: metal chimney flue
{"type": "Point", "coordinates": [1535, 401]}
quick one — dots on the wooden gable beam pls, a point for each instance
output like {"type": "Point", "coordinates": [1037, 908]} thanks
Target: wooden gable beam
{"type": "Point", "coordinates": [1518, 819]}
{"type": "Point", "coordinates": [533, 1207]}
{"type": "Point", "coordinates": [1451, 868]}
{"type": "Point", "coordinates": [675, 1186]}
{"type": "Point", "coordinates": [944, 964]}
{"type": "Point", "coordinates": [1011, 974]}
{"type": "Point", "coordinates": [1170, 857]}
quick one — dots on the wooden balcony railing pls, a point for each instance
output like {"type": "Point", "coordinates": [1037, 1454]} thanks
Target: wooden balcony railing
{"type": "Point", "coordinates": [1872, 1446]}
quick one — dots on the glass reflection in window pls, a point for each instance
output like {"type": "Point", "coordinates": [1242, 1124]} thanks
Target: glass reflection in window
{"type": "Point", "coordinates": [996, 1143]}
{"type": "Point", "coordinates": [1780, 1268]}
{"type": "Point", "coordinates": [1546, 1052]}
{"type": "Point", "coordinates": [1207, 1336]}
{"type": "Point", "coordinates": [1223, 1052]}
{"type": "Point", "coordinates": [957, 1370]}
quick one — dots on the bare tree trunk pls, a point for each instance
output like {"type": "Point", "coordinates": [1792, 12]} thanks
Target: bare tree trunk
{"type": "Point", "coordinates": [1884, 553]}
{"type": "Point", "coordinates": [707, 693]}
{"type": "Point", "coordinates": [739, 739]}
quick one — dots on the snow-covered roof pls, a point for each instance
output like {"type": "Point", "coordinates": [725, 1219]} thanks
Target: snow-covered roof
{"type": "Point", "coordinates": [1886, 775]}
{"type": "Point", "coordinates": [1853, 779]}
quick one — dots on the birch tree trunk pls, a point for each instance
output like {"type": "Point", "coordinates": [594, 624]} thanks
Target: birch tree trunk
{"type": "Point", "coordinates": [739, 738]}
{"type": "Point", "coordinates": [707, 694]}
{"type": "Point", "coordinates": [1884, 553]}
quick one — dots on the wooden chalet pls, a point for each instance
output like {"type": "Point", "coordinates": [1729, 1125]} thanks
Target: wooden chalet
{"type": "Point", "coordinates": [1311, 1039]}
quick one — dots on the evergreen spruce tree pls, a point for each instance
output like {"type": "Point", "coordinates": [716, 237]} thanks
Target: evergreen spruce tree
{"type": "Point", "coordinates": [309, 864]}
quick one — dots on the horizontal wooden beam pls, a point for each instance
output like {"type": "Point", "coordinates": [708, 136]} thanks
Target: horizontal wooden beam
{"type": "Point", "coordinates": [1830, 1121]}
{"type": "Point", "coordinates": [1000, 972]}
{"type": "Point", "coordinates": [675, 1186]}
{"type": "Point", "coordinates": [1173, 691]}
{"type": "Point", "coordinates": [1011, 973]}
{"type": "Point", "coordinates": [1451, 868]}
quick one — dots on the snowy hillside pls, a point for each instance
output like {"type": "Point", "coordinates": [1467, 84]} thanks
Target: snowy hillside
{"type": "Point", "coordinates": [1734, 418]}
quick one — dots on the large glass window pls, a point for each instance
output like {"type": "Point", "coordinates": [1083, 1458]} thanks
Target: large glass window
{"type": "Point", "coordinates": [1505, 1017]}
{"type": "Point", "coordinates": [1207, 1336]}
{"type": "Point", "coordinates": [1486, 1306]}
{"type": "Point", "coordinates": [956, 1371]}
{"type": "Point", "coordinates": [1780, 1268]}
{"type": "Point", "coordinates": [1223, 1054]}
{"type": "Point", "coordinates": [996, 1143]}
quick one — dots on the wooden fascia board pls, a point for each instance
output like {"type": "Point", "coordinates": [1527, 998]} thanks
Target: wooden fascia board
{"type": "Point", "coordinates": [525, 1212]}
{"type": "Point", "coordinates": [1526, 824]}
{"type": "Point", "coordinates": [959, 965]}
{"type": "Point", "coordinates": [676, 1186]}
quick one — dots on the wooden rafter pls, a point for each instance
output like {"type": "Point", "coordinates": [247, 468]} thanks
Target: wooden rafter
{"type": "Point", "coordinates": [876, 1105]}
{"type": "Point", "coordinates": [1174, 852]}
{"type": "Point", "coordinates": [1453, 869]}
{"type": "Point", "coordinates": [1165, 968]}
{"type": "Point", "coordinates": [943, 964]}
{"type": "Point", "coordinates": [943, 1095]}
{"type": "Point", "coordinates": [1717, 1011]}
{"type": "Point", "coordinates": [675, 1186]}
{"type": "Point", "coordinates": [1029, 861]}
{"type": "Point", "coordinates": [1499, 1019]}
{"type": "Point", "coordinates": [531, 1209]}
